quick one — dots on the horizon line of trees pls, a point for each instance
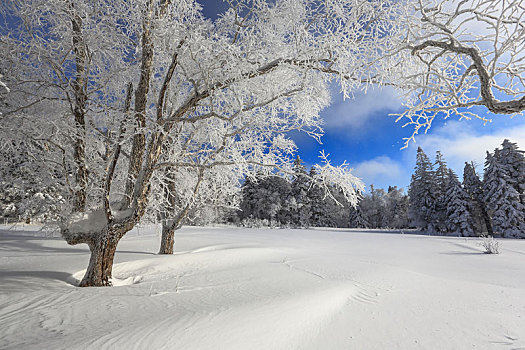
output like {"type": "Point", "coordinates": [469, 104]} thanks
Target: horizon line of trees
{"type": "Point", "coordinates": [437, 201]}
{"type": "Point", "coordinates": [493, 205]}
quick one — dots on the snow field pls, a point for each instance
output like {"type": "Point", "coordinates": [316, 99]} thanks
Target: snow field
{"type": "Point", "coordinates": [232, 288]}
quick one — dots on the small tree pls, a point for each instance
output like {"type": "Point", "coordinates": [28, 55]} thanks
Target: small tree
{"type": "Point", "coordinates": [490, 244]}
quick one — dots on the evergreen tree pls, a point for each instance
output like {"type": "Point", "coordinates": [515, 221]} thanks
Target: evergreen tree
{"type": "Point", "coordinates": [439, 209]}
{"type": "Point", "coordinates": [474, 188]}
{"type": "Point", "coordinates": [248, 198]}
{"type": "Point", "coordinates": [502, 199]}
{"type": "Point", "coordinates": [458, 215]}
{"type": "Point", "coordinates": [514, 160]}
{"type": "Point", "coordinates": [422, 192]}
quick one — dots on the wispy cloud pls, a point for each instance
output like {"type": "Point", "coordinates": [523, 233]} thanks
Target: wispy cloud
{"type": "Point", "coordinates": [458, 141]}
{"type": "Point", "coordinates": [462, 142]}
{"type": "Point", "coordinates": [357, 113]}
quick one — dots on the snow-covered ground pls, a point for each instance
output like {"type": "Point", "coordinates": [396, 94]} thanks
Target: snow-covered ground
{"type": "Point", "coordinates": [232, 288]}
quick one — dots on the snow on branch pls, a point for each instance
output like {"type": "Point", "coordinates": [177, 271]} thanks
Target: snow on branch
{"type": "Point", "coordinates": [337, 178]}
{"type": "Point", "coordinates": [462, 55]}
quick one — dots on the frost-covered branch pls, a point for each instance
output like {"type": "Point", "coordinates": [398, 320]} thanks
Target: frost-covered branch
{"type": "Point", "coordinates": [340, 177]}
{"type": "Point", "coordinates": [465, 55]}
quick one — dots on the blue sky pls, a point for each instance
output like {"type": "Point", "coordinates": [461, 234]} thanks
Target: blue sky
{"type": "Point", "coordinates": [361, 132]}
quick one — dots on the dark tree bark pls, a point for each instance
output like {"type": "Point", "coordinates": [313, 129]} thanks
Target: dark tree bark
{"type": "Point", "coordinates": [486, 218]}
{"type": "Point", "coordinates": [167, 242]}
{"type": "Point", "coordinates": [99, 271]}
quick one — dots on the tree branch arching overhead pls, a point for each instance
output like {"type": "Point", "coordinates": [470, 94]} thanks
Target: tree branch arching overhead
{"type": "Point", "coordinates": [465, 54]}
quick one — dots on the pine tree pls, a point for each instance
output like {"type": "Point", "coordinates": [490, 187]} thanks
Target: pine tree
{"type": "Point", "coordinates": [502, 199]}
{"type": "Point", "coordinates": [474, 188]}
{"type": "Point", "coordinates": [514, 160]}
{"type": "Point", "coordinates": [249, 198]}
{"type": "Point", "coordinates": [458, 215]}
{"type": "Point", "coordinates": [422, 192]}
{"type": "Point", "coordinates": [439, 209]}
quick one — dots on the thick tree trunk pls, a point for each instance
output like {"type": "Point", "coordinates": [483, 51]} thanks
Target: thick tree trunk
{"type": "Point", "coordinates": [168, 239]}
{"type": "Point", "coordinates": [98, 273]}
{"type": "Point", "coordinates": [79, 108]}
{"type": "Point", "coordinates": [141, 101]}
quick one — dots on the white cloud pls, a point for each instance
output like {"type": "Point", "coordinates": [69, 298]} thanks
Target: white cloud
{"type": "Point", "coordinates": [382, 171]}
{"type": "Point", "coordinates": [459, 142]}
{"type": "Point", "coordinates": [356, 113]}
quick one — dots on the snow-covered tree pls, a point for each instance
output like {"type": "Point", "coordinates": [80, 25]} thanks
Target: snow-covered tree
{"type": "Point", "coordinates": [514, 160]}
{"type": "Point", "coordinates": [112, 93]}
{"type": "Point", "coordinates": [267, 198]}
{"type": "Point", "coordinates": [300, 210]}
{"type": "Point", "coordinates": [439, 210]}
{"type": "Point", "coordinates": [273, 194]}
{"type": "Point", "coordinates": [248, 197]}
{"type": "Point", "coordinates": [465, 54]}
{"type": "Point", "coordinates": [356, 217]}
{"type": "Point", "coordinates": [380, 209]}
{"type": "Point", "coordinates": [502, 199]}
{"type": "Point", "coordinates": [319, 207]}
{"type": "Point", "coordinates": [422, 191]}
{"type": "Point", "coordinates": [23, 194]}
{"type": "Point", "coordinates": [338, 209]}
{"type": "Point", "coordinates": [458, 218]}
{"type": "Point", "coordinates": [373, 207]}
{"type": "Point", "coordinates": [474, 188]}
{"type": "Point", "coordinates": [183, 193]}
{"type": "Point", "coordinates": [396, 208]}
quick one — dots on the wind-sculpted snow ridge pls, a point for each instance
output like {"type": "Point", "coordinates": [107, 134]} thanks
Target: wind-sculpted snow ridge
{"type": "Point", "coordinates": [229, 288]}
